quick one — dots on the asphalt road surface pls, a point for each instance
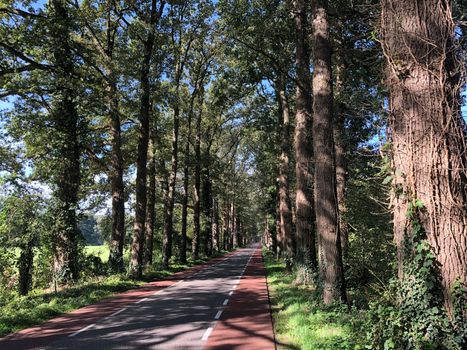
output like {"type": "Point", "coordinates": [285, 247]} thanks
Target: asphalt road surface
{"type": "Point", "coordinates": [182, 316]}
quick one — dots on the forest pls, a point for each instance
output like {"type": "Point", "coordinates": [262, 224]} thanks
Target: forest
{"type": "Point", "coordinates": [139, 138]}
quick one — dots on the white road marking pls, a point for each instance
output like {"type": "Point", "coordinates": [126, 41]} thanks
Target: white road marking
{"type": "Point", "coordinates": [218, 315]}
{"type": "Point", "coordinates": [173, 285]}
{"type": "Point", "coordinates": [140, 301]}
{"type": "Point", "coordinates": [82, 330]}
{"type": "Point", "coordinates": [235, 286]}
{"type": "Point", "coordinates": [226, 301]}
{"type": "Point", "coordinates": [117, 312]}
{"type": "Point", "coordinates": [231, 292]}
{"type": "Point", "coordinates": [206, 334]}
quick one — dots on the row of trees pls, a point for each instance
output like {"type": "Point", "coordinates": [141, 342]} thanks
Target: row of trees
{"type": "Point", "coordinates": [211, 121]}
{"type": "Point", "coordinates": [426, 135]}
{"type": "Point", "coordinates": [107, 98]}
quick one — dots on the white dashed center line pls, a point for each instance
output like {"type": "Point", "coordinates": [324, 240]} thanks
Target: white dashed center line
{"type": "Point", "coordinates": [218, 315]}
{"type": "Point", "coordinates": [226, 301]}
{"type": "Point", "coordinates": [82, 330]}
{"type": "Point", "coordinates": [117, 312]}
{"type": "Point", "coordinates": [206, 334]}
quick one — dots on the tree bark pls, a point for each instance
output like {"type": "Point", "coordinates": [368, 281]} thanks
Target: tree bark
{"type": "Point", "coordinates": [197, 187]}
{"type": "Point", "coordinates": [226, 225]}
{"type": "Point", "coordinates": [277, 235]}
{"type": "Point", "coordinates": [151, 203]}
{"type": "Point", "coordinates": [330, 255]}
{"type": "Point", "coordinates": [233, 222]}
{"type": "Point", "coordinates": [117, 186]}
{"type": "Point", "coordinates": [207, 205]}
{"type": "Point", "coordinates": [427, 132]}
{"type": "Point", "coordinates": [25, 266]}
{"type": "Point", "coordinates": [170, 198]}
{"type": "Point", "coordinates": [186, 180]}
{"type": "Point", "coordinates": [341, 153]}
{"type": "Point", "coordinates": [306, 242]}
{"type": "Point", "coordinates": [137, 245]}
{"type": "Point", "coordinates": [116, 172]}
{"type": "Point", "coordinates": [285, 210]}
{"type": "Point", "coordinates": [215, 227]}
{"type": "Point", "coordinates": [66, 120]}
{"type": "Point", "coordinates": [341, 178]}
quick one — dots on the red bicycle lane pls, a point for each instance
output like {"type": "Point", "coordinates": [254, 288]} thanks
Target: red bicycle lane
{"type": "Point", "coordinates": [246, 322]}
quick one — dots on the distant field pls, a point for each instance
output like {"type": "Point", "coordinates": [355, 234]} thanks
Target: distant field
{"type": "Point", "coordinates": [102, 251]}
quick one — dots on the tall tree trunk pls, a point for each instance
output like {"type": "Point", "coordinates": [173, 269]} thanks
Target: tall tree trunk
{"type": "Point", "coordinates": [226, 225]}
{"type": "Point", "coordinates": [137, 245]}
{"type": "Point", "coordinates": [116, 180]}
{"type": "Point", "coordinates": [186, 180]}
{"type": "Point", "coordinates": [285, 210]}
{"type": "Point", "coordinates": [197, 203]}
{"type": "Point", "coordinates": [306, 242]}
{"type": "Point", "coordinates": [341, 178]}
{"type": "Point", "coordinates": [151, 202]}
{"type": "Point", "coordinates": [427, 132]}
{"type": "Point", "coordinates": [170, 198]}
{"type": "Point", "coordinates": [277, 235]}
{"type": "Point", "coordinates": [25, 266]}
{"type": "Point", "coordinates": [215, 227]}
{"type": "Point", "coordinates": [234, 228]}
{"type": "Point", "coordinates": [67, 148]}
{"type": "Point", "coordinates": [239, 226]}
{"type": "Point", "coordinates": [330, 254]}
{"type": "Point", "coordinates": [116, 169]}
{"type": "Point", "coordinates": [207, 205]}
{"type": "Point", "coordinates": [340, 152]}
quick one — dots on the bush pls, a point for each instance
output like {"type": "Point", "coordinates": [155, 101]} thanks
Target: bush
{"type": "Point", "coordinates": [93, 266]}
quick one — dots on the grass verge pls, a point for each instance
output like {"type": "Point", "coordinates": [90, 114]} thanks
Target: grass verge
{"type": "Point", "coordinates": [19, 312]}
{"type": "Point", "coordinates": [302, 321]}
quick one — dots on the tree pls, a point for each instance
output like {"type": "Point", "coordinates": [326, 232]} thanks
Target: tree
{"type": "Point", "coordinates": [20, 220]}
{"type": "Point", "coordinates": [197, 178]}
{"type": "Point", "coordinates": [151, 18]}
{"type": "Point", "coordinates": [327, 225]}
{"type": "Point", "coordinates": [427, 134]}
{"type": "Point", "coordinates": [64, 116]}
{"type": "Point", "coordinates": [302, 139]}
{"type": "Point", "coordinates": [285, 208]}
{"type": "Point", "coordinates": [100, 50]}
{"type": "Point", "coordinates": [151, 200]}
{"type": "Point", "coordinates": [185, 29]}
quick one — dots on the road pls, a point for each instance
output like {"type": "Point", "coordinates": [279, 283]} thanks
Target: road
{"type": "Point", "coordinates": [222, 306]}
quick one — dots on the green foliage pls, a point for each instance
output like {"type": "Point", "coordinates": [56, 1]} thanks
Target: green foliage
{"type": "Point", "coordinates": [89, 229]}
{"type": "Point", "coordinates": [410, 314]}
{"type": "Point", "coordinates": [371, 255]}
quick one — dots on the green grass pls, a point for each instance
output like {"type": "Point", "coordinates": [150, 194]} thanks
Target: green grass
{"type": "Point", "coordinates": [19, 312]}
{"type": "Point", "coordinates": [302, 322]}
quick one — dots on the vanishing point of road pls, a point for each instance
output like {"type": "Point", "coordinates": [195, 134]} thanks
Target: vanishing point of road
{"type": "Point", "coordinates": [223, 304]}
